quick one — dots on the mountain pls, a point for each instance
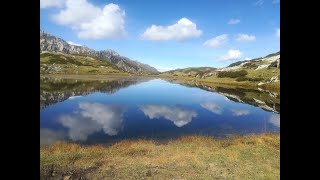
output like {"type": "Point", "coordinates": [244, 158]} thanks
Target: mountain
{"type": "Point", "coordinates": [257, 59]}
{"type": "Point", "coordinates": [60, 63]}
{"type": "Point", "coordinates": [51, 43]}
{"type": "Point", "coordinates": [260, 70]}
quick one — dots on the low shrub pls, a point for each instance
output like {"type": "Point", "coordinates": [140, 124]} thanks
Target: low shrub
{"type": "Point", "coordinates": [232, 74]}
{"type": "Point", "coordinates": [249, 79]}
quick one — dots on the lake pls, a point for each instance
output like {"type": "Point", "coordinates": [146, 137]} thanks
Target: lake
{"type": "Point", "coordinates": [106, 111]}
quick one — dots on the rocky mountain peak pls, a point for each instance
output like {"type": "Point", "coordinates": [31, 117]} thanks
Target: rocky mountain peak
{"type": "Point", "coordinates": [111, 52]}
{"type": "Point", "coordinates": [51, 43]}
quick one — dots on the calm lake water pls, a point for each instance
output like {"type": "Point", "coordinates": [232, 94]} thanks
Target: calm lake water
{"type": "Point", "coordinates": [105, 111]}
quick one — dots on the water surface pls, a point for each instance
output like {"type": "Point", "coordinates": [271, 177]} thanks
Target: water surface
{"type": "Point", "coordinates": [105, 111]}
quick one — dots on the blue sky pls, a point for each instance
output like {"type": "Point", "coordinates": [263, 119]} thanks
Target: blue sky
{"type": "Point", "coordinates": [169, 34]}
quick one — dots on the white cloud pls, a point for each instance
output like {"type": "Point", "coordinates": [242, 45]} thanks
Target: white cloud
{"type": "Point", "coordinates": [247, 58]}
{"type": "Point", "coordinates": [213, 107]}
{"type": "Point", "coordinates": [259, 3]}
{"type": "Point", "coordinates": [178, 115]}
{"type": "Point", "coordinates": [275, 1]}
{"type": "Point", "coordinates": [91, 22]}
{"type": "Point", "coordinates": [93, 117]}
{"type": "Point", "coordinates": [72, 43]}
{"type": "Point", "coordinates": [231, 55]}
{"type": "Point", "coordinates": [245, 38]}
{"type": "Point", "coordinates": [51, 3]}
{"type": "Point", "coordinates": [240, 112]}
{"type": "Point", "coordinates": [234, 21]}
{"type": "Point", "coordinates": [275, 120]}
{"type": "Point", "coordinates": [278, 32]}
{"type": "Point", "coordinates": [183, 29]}
{"type": "Point", "coordinates": [217, 42]}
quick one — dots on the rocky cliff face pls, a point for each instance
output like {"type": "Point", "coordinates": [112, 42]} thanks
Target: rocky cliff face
{"type": "Point", "coordinates": [53, 44]}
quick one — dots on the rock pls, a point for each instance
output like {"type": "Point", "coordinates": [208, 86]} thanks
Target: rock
{"type": "Point", "coordinates": [258, 101]}
{"type": "Point", "coordinates": [66, 177]}
{"type": "Point", "coordinates": [274, 79]}
{"type": "Point", "coordinates": [148, 173]}
{"type": "Point", "coordinates": [278, 63]}
{"type": "Point", "coordinates": [262, 66]}
{"type": "Point", "coordinates": [261, 83]}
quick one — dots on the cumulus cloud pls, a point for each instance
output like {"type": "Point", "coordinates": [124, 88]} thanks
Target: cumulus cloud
{"type": "Point", "coordinates": [247, 58]}
{"type": "Point", "coordinates": [178, 115]}
{"type": "Point", "coordinates": [217, 42]}
{"type": "Point", "coordinates": [51, 3]}
{"type": "Point", "coordinates": [231, 55]}
{"type": "Point", "coordinates": [275, 120]}
{"type": "Point", "coordinates": [233, 21]}
{"type": "Point", "coordinates": [213, 107]}
{"type": "Point", "coordinates": [92, 22]}
{"type": "Point", "coordinates": [73, 43]}
{"type": "Point", "coordinates": [93, 117]}
{"type": "Point", "coordinates": [183, 29]}
{"type": "Point", "coordinates": [259, 3]}
{"type": "Point", "coordinates": [240, 112]}
{"type": "Point", "coordinates": [278, 32]}
{"type": "Point", "coordinates": [245, 38]}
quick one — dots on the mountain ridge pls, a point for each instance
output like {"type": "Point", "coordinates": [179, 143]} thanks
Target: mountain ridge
{"type": "Point", "coordinates": [52, 43]}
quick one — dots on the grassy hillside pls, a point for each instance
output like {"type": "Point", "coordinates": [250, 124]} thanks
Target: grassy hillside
{"type": "Point", "coordinates": [190, 72]}
{"type": "Point", "coordinates": [192, 157]}
{"type": "Point", "coordinates": [257, 72]}
{"type": "Point", "coordinates": [58, 63]}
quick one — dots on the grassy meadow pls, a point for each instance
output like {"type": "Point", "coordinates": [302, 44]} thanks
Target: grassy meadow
{"type": "Point", "coordinates": [190, 157]}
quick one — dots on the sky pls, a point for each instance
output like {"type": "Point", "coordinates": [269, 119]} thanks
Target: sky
{"type": "Point", "coordinates": [168, 34]}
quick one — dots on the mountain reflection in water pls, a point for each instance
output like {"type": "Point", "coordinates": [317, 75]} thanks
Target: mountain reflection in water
{"type": "Point", "coordinates": [105, 111]}
{"type": "Point", "coordinates": [54, 90]}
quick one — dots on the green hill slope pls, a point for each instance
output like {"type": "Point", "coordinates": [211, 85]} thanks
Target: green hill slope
{"type": "Point", "coordinates": [60, 63]}
{"type": "Point", "coordinates": [256, 72]}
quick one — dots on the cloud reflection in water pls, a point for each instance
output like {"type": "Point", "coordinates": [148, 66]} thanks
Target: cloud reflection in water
{"type": "Point", "coordinates": [275, 120]}
{"type": "Point", "coordinates": [180, 116]}
{"type": "Point", "coordinates": [240, 112]}
{"type": "Point", "coordinates": [91, 118]}
{"type": "Point", "coordinates": [213, 107]}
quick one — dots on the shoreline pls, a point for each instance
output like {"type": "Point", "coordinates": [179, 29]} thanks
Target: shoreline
{"type": "Point", "coordinates": [221, 82]}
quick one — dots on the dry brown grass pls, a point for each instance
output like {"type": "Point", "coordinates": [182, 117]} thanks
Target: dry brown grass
{"type": "Point", "coordinates": [191, 157]}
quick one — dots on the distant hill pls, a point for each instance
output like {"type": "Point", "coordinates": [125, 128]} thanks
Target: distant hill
{"type": "Point", "coordinates": [239, 62]}
{"type": "Point", "coordinates": [50, 43]}
{"type": "Point", "coordinates": [198, 72]}
{"type": "Point", "coordinates": [264, 70]}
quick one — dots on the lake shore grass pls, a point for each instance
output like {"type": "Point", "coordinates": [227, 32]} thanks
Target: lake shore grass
{"type": "Point", "coordinates": [190, 157]}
